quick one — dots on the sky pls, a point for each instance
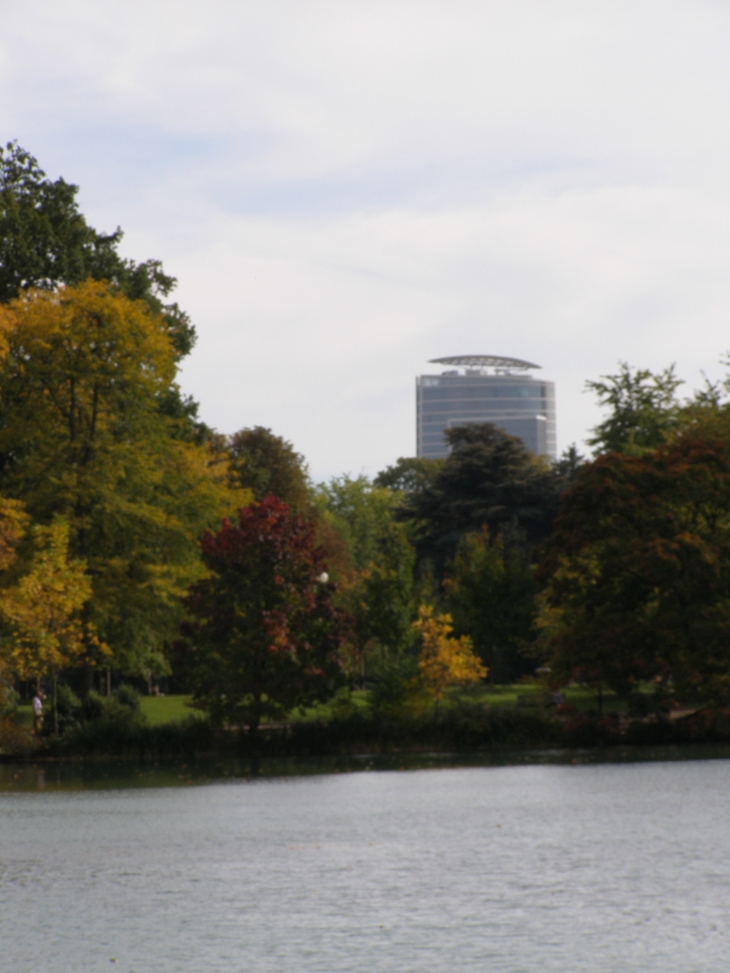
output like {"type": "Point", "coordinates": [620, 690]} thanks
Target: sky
{"type": "Point", "coordinates": [348, 189]}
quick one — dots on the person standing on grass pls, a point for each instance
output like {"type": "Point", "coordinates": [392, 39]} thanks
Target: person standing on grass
{"type": "Point", "coordinates": [37, 712]}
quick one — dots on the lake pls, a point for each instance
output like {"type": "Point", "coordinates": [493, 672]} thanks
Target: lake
{"type": "Point", "coordinates": [554, 867]}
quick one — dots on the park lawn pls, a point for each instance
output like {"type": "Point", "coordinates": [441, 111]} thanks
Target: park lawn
{"type": "Point", "coordinates": [167, 709]}
{"type": "Point", "coordinates": [537, 696]}
{"type": "Point", "coordinates": [532, 694]}
{"type": "Point", "coordinates": [155, 709]}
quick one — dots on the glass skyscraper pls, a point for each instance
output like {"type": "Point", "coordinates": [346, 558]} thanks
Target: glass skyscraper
{"type": "Point", "coordinates": [485, 388]}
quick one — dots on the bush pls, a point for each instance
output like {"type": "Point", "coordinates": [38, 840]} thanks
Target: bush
{"type": "Point", "coordinates": [127, 695]}
{"type": "Point", "coordinates": [8, 698]}
{"type": "Point", "coordinates": [105, 711]}
{"type": "Point", "coordinates": [397, 687]}
{"type": "Point", "coordinates": [69, 711]}
{"type": "Point", "coordinates": [93, 706]}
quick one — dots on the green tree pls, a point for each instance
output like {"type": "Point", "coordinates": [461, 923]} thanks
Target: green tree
{"type": "Point", "coordinates": [643, 409]}
{"type": "Point", "coordinates": [362, 513]}
{"type": "Point", "coordinates": [637, 573]}
{"type": "Point", "coordinates": [376, 581]}
{"type": "Point", "coordinates": [265, 463]}
{"type": "Point", "coordinates": [491, 593]}
{"type": "Point", "coordinates": [262, 630]}
{"type": "Point", "coordinates": [81, 436]}
{"type": "Point", "coordinates": [568, 466]}
{"type": "Point", "coordinates": [409, 474]}
{"type": "Point", "coordinates": [488, 478]}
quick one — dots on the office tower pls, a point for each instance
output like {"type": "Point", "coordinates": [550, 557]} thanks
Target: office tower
{"type": "Point", "coordinates": [485, 388]}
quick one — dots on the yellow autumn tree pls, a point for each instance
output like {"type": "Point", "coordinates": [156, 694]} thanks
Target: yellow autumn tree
{"type": "Point", "coordinates": [87, 433]}
{"type": "Point", "coordinates": [13, 525]}
{"type": "Point", "coordinates": [41, 612]}
{"type": "Point", "coordinates": [444, 660]}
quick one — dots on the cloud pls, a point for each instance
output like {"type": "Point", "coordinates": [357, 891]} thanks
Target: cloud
{"type": "Point", "coordinates": [346, 190]}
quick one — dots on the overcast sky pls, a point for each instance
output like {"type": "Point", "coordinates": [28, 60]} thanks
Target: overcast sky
{"type": "Point", "coordinates": [347, 189]}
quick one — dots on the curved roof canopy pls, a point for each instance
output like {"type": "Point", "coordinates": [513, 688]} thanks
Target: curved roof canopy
{"type": "Point", "coordinates": [480, 361]}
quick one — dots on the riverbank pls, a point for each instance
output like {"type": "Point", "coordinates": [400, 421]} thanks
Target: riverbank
{"type": "Point", "coordinates": [464, 728]}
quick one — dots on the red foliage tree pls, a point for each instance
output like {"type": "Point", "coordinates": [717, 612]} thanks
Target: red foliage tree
{"type": "Point", "coordinates": [262, 632]}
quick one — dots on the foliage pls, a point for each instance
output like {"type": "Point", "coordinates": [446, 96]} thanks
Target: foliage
{"type": "Point", "coordinates": [409, 474]}
{"type": "Point", "coordinates": [46, 242]}
{"type": "Point", "coordinates": [376, 580]}
{"type": "Point", "coordinates": [81, 436]}
{"type": "Point", "coordinates": [568, 466]}
{"type": "Point", "coordinates": [644, 409]}
{"type": "Point", "coordinates": [264, 463]}
{"type": "Point", "coordinates": [14, 522]}
{"type": "Point", "coordinates": [95, 714]}
{"type": "Point", "coordinates": [127, 695]}
{"type": "Point", "coordinates": [263, 633]}
{"type": "Point", "coordinates": [66, 711]}
{"type": "Point", "coordinates": [489, 478]}
{"type": "Point", "coordinates": [361, 512]}
{"type": "Point", "coordinates": [444, 660]}
{"type": "Point", "coordinates": [42, 611]}
{"type": "Point", "coordinates": [491, 593]}
{"type": "Point", "coordinates": [397, 687]}
{"type": "Point", "coordinates": [638, 572]}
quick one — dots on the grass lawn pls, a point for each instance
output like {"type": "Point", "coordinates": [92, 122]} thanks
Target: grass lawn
{"type": "Point", "coordinates": [156, 709]}
{"type": "Point", "coordinates": [167, 709]}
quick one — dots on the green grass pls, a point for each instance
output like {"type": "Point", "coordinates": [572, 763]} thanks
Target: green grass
{"type": "Point", "coordinates": [156, 710]}
{"type": "Point", "coordinates": [167, 709]}
{"type": "Point", "coordinates": [534, 695]}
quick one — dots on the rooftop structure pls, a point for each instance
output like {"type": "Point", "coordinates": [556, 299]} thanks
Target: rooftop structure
{"type": "Point", "coordinates": [498, 362]}
{"type": "Point", "coordinates": [492, 388]}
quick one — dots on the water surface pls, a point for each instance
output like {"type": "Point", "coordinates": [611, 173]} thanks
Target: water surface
{"type": "Point", "coordinates": [610, 867]}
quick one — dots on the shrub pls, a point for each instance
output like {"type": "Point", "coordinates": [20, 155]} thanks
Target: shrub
{"type": "Point", "coordinates": [397, 687]}
{"type": "Point", "coordinates": [127, 695]}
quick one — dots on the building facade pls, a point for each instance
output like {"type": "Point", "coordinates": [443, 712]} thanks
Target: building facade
{"type": "Point", "coordinates": [485, 388]}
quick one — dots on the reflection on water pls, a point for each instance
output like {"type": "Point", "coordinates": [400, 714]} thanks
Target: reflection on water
{"type": "Point", "coordinates": [550, 866]}
{"type": "Point", "coordinates": [104, 774]}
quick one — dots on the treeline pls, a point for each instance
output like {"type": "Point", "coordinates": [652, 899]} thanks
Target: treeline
{"type": "Point", "coordinates": [138, 544]}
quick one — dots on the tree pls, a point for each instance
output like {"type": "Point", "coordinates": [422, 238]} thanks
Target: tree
{"type": "Point", "coordinates": [14, 522]}
{"type": "Point", "coordinates": [409, 474]}
{"type": "Point", "coordinates": [488, 478]}
{"type": "Point", "coordinates": [637, 573]}
{"type": "Point", "coordinates": [376, 579]}
{"type": "Point", "coordinates": [568, 466]}
{"type": "Point", "coordinates": [265, 463]}
{"type": "Point", "coordinates": [42, 610]}
{"type": "Point", "coordinates": [444, 660]}
{"type": "Point", "coordinates": [491, 593]}
{"type": "Point", "coordinates": [644, 409]}
{"type": "Point", "coordinates": [262, 631]}
{"type": "Point", "coordinates": [46, 242]}
{"type": "Point", "coordinates": [81, 436]}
